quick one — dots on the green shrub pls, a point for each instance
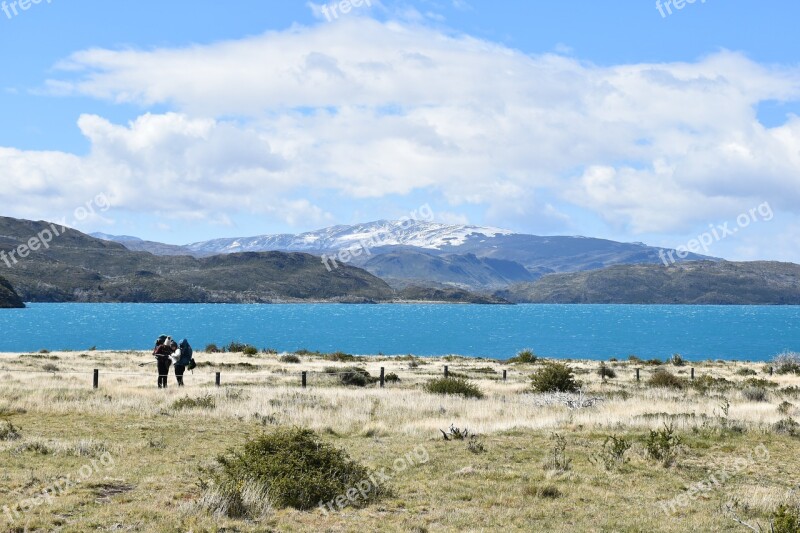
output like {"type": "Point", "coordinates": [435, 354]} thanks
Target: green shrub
{"type": "Point", "coordinates": [341, 357]}
{"type": "Point", "coordinates": [785, 408]}
{"type": "Point", "coordinates": [8, 431]}
{"type": "Point", "coordinates": [50, 367]}
{"type": "Point", "coordinates": [787, 363]}
{"type": "Point", "coordinates": [554, 377]}
{"type": "Point", "coordinates": [677, 360]}
{"type": "Point", "coordinates": [746, 372]}
{"type": "Point", "coordinates": [662, 445]}
{"type": "Point", "coordinates": [289, 358]}
{"type": "Point", "coordinates": [351, 376]}
{"type": "Point", "coordinates": [612, 452]}
{"type": "Point", "coordinates": [391, 377]}
{"type": "Point", "coordinates": [203, 402]}
{"type": "Point", "coordinates": [212, 348]}
{"type": "Point", "coordinates": [787, 520]}
{"type": "Point", "coordinates": [787, 426]}
{"type": "Point", "coordinates": [662, 378]}
{"type": "Point", "coordinates": [635, 360]}
{"type": "Point", "coordinates": [758, 382]}
{"type": "Point", "coordinates": [557, 457]}
{"type": "Point", "coordinates": [250, 351]}
{"type": "Point", "coordinates": [549, 492]}
{"type": "Point", "coordinates": [457, 386]}
{"type": "Point", "coordinates": [523, 357]}
{"type": "Point", "coordinates": [303, 351]}
{"type": "Point", "coordinates": [755, 394]}
{"type": "Point", "coordinates": [295, 468]}
{"type": "Point", "coordinates": [606, 372]}
{"type": "Point", "coordinates": [654, 362]}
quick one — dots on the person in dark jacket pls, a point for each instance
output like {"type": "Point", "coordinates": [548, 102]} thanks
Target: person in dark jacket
{"type": "Point", "coordinates": [162, 352]}
{"type": "Point", "coordinates": [181, 359]}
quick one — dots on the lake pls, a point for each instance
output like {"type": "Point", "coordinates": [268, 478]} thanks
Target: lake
{"type": "Point", "coordinates": [563, 331]}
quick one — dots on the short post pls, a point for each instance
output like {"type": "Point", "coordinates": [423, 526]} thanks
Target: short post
{"type": "Point", "coordinates": [504, 374]}
{"type": "Point", "coordinates": [637, 374]}
{"type": "Point", "coordinates": [446, 372]}
{"type": "Point", "coordinates": [218, 380]}
{"type": "Point", "coordinates": [770, 370]}
{"type": "Point", "coordinates": [692, 373]}
{"type": "Point", "coordinates": [96, 380]}
{"type": "Point", "coordinates": [303, 379]}
{"type": "Point", "coordinates": [383, 380]}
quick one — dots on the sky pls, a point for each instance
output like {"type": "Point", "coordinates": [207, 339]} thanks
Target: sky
{"type": "Point", "coordinates": [185, 121]}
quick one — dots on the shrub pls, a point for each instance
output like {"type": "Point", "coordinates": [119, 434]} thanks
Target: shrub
{"type": "Point", "coordinates": [746, 372]}
{"type": "Point", "coordinates": [524, 356]}
{"type": "Point", "coordinates": [351, 376]}
{"type": "Point", "coordinates": [289, 358]}
{"type": "Point", "coordinates": [612, 452]}
{"type": "Point", "coordinates": [8, 431]}
{"type": "Point", "coordinates": [203, 402]}
{"type": "Point", "coordinates": [557, 458]}
{"type": "Point", "coordinates": [787, 520]}
{"type": "Point", "coordinates": [787, 363]}
{"type": "Point", "coordinates": [662, 445]}
{"type": "Point", "coordinates": [270, 351]}
{"type": "Point", "coordinates": [665, 379]}
{"type": "Point", "coordinates": [50, 367]}
{"type": "Point", "coordinates": [250, 351]}
{"type": "Point", "coordinates": [785, 408]}
{"type": "Point", "coordinates": [763, 383]}
{"type": "Point", "coordinates": [787, 426]}
{"type": "Point", "coordinates": [303, 351]}
{"type": "Point", "coordinates": [236, 347]}
{"type": "Point", "coordinates": [341, 357]}
{"type": "Point", "coordinates": [755, 394]}
{"type": "Point", "coordinates": [654, 362]}
{"type": "Point", "coordinates": [212, 348]}
{"type": "Point", "coordinates": [634, 359]}
{"type": "Point", "coordinates": [550, 492]}
{"type": "Point", "coordinates": [554, 377]}
{"type": "Point", "coordinates": [293, 468]}
{"type": "Point", "coordinates": [391, 377]}
{"type": "Point", "coordinates": [677, 360]}
{"type": "Point", "coordinates": [606, 372]}
{"type": "Point", "coordinates": [458, 386]}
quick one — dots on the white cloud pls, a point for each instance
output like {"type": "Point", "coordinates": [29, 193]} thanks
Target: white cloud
{"type": "Point", "coordinates": [364, 109]}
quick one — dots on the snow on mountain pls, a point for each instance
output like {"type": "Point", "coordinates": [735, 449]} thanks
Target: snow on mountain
{"type": "Point", "coordinates": [430, 235]}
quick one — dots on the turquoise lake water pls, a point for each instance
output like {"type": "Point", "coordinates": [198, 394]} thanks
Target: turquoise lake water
{"type": "Point", "coordinates": [564, 331]}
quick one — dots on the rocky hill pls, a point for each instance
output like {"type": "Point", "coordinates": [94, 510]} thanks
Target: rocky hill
{"type": "Point", "coordinates": [9, 299]}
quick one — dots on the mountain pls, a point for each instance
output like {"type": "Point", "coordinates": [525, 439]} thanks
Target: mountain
{"type": "Point", "coordinates": [433, 254]}
{"type": "Point", "coordinates": [700, 282]}
{"type": "Point", "coordinates": [73, 266]}
{"type": "Point", "coordinates": [9, 299]}
{"type": "Point", "coordinates": [138, 245]}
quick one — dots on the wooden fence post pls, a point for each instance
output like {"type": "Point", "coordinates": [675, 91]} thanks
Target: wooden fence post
{"type": "Point", "coordinates": [303, 379]}
{"type": "Point", "coordinates": [96, 379]}
{"type": "Point", "coordinates": [446, 372]}
{"type": "Point", "coordinates": [692, 373]}
{"type": "Point", "coordinates": [382, 378]}
{"type": "Point", "coordinates": [218, 379]}
{"type": "Point", "coordinates": [637, 374]}
{"type": "Point", "coordinates": [504, 374]}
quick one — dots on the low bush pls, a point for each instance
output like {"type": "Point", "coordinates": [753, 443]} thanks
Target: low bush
{"type": "Point", "coordinates": [351, 376]}
{"type": "Point", "coordinates": [554, 377]}
{"type": "Point", "coordinates": [203, 402]}
{"type": "Point", "coordinates": [662, 378]}
{"type": "Point", "coordinates": [289, 358]}
{"type": "Point", "coordinates": [677, 360]}
{"type": "Point", "coordinates": [662, 445]}
{"type": "Point", "coordinates": [8, 431]}
{"type": "Point", "coordinates": [549, 492]}
{"type": "Point", "coordinates": [758, 382]}
{"type": "Point", "coordinates": [291, 468]}
{"type": "Point", "coordinates": [786, 520]}
{"type": "Point", "coordinates": [785, 408]}
{"type": "Point", "coordinates": [787, 363]}
{"type": "Point", "coordinates": [746, 372]}
{"type": "Point", "coordinates": [212, 348]}
{"type": "Point", "coordinates": [50, 367]}
{"type": "Point", "coordinates": [250, 351]}
{"type": "Point", "coordinates": [341, 357]}
{"type": "Point", "coordinates": [606, 372]}
{"type": "Point", "coordinates": [455, 386]}
{"type": "Point", "coordinates": [236, 347]}
{"type": "Point", "coordinates": [391, 377]}
{"type": "Point", "coordinates": [786, 426]}
{"type": "Point", "coordinates": [755, 394]}
{"type": "Point", "coordinates": [523, 357]}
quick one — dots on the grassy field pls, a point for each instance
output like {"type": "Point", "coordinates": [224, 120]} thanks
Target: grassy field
{"type": "Point", "coordinates": [539, 462]}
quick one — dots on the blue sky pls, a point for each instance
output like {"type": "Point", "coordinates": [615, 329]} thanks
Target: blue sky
{"type": "Point", "coordinates": [206, 119]}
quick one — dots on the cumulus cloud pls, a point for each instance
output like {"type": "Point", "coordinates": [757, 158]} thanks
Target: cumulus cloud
{"type": "Point", "coordinates": [365, 109]}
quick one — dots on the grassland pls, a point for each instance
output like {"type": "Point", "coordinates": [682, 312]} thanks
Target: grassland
{"type": "Point", "coordinates": [540, 462]}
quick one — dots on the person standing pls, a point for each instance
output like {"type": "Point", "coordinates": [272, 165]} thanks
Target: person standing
{"type": "Point", "coordinates": [162, 352]}
{"type": "Point", "coordinates": [181, 359]}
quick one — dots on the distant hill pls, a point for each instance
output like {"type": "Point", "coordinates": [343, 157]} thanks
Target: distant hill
{"type": "Point", "coordinates": [448, 294]}
{"type": "Point", "coordinates": [701, 282]}
{"type": "Point", "coordinates": [9, 299]}
{"type": "Point", "coordinates": [77, 267]}
{"type": "Point", "coordinates": [416, 252]}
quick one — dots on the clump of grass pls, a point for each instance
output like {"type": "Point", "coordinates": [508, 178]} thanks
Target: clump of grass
{"type": "Point", "coordinates": [341, 357]}
{"type": "Point", "coordinates": [547, 492]}
{"type": "Point", "coordinates": [293, 468]}
{"type": "Point", "coordinates": [786, 520]}
{"type": "Point", "coordinates": [391, 377]}
{"type": "Point", "coordinates": [289, 358]}
{"type": "Point", "coordinates": [612, 452]}
{"type": "Point", "coordinates": [662, 378]}
{"type": "Point", "coordinates": [785, 408]}
{"type": "Point", "coordinates": [755, 394]}
{"type": "Point", "coordinates": [212, 348]}
{"type": "Point", "coordinates": [786, 426]}
{"type": "Point", "coordinates": [554, 377]}
{"type": "Point", "coordinates": [8, 431]}
{"type": "Point", "coordinates": [677, 360]}
{"type": "Point", "coordinates": [525, 356]}
{"type": "Point", "coordinates": [606, 372]}
{"type": "Point", "coordinates": [203, 402]}
{"type": "Point", "coordinates": [557, 458]}
{"type": "Point", "coordinates": [787, 363]}
{"type": "Point", "coordinates": [49, 367]}
{"type": "Point", "coordinates": [453, 386]}
{"type": "Point", "coordinates": [746, 372]}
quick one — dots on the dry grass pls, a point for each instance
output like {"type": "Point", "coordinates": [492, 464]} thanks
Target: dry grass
{"type": "Point", "coordinates": [157, 449]}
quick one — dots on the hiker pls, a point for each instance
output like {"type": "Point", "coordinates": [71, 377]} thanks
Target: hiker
{"type": "Point", "coordinates": [162, 352]}
{"type": "Point", "coordinates": [181, 359]}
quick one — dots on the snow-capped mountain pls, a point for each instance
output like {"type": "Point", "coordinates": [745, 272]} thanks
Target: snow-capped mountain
{"type": "Point", "coordinates": [419, 234]}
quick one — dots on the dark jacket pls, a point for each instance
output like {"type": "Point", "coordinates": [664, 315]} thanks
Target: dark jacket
{"type": "Point", "coordinates": [162, 352]}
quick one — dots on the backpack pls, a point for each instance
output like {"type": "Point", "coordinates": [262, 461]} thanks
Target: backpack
{"type": "Point", "coordinates": [186, 355]}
